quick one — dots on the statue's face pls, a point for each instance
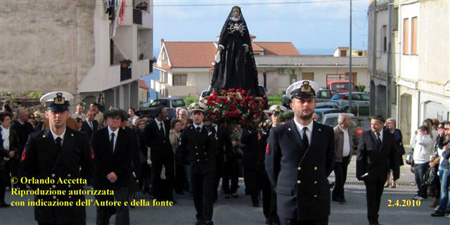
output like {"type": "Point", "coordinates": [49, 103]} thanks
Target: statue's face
{"type": "Point", "coordinates": [236, 12]}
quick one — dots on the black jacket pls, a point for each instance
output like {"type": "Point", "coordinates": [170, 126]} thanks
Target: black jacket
{"type": "Point", "coordinates": [199, 149]}
{"type": "Point", "coordinates": [13, 143]}
{"type": "Point", "coordinates": [302, 188]}
{"type": "Point", "coordinates": [87, 129]}
{"type": "Point", "coordinates": [160, 148]}
{"type": "Point", "coordinates": [107, 161]}
{"type": "Point", "coordinates": [41, 159]}
{"type": "Point", "coordinates": [375, 161]}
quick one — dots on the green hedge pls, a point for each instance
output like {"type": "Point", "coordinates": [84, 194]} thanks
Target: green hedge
{"type": "Point", "coordinates": [274, 100]}
{"type": "Point", "coordinates": [190, 100]}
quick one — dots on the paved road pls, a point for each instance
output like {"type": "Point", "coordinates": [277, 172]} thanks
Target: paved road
{"type": "Point", "coordinates": [240, 211]}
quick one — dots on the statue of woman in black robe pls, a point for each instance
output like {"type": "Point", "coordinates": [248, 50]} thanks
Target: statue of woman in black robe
{"type": "Point", "coordinates": [234, 63]}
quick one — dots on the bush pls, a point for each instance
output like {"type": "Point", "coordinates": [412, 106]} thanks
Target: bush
{"type": "Point", "coordinates": [274, 100]}
{"type": "Point", "coordinates": [190, 100]}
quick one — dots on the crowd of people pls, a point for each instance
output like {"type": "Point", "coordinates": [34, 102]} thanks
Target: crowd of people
{"type": "Point", "coordinates": [189, 155]}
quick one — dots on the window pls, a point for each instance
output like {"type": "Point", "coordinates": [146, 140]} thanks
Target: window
{"type": "Point", "coordinates": [414, 36]}
{"type": "Point", "coordinates": [179, 80]}
{"type": "Point", "coordinates": [406, 36]}
{"type": "Point", "coordinates": [308, 76]}
{"type": "Point", "coordinates": [384, 37]}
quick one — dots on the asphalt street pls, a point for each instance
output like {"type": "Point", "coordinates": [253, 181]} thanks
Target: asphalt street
{"type": "Point", "coordinates": [241, 211]}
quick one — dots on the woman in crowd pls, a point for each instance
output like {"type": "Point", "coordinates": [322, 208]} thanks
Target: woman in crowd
{"type": "Point", "coordinates": [9, 146]}
{"type": "Point", "coordinates": [391, 126]}
{"type": "Point", "coordinates": [174, 135]}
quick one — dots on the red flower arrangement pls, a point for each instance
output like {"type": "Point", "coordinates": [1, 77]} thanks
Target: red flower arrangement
{"type": "Point", "coordinates": [235, 107]}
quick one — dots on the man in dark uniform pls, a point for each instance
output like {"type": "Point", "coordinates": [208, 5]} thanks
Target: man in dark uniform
{"type": "Point", "coordinates": [199, 146]}
{"type": "Point", "coordinates": [269, 197]}
{"type": "Point", "coordinates": [299, 158]}
{"type": "Point", "coordinates": [376, 149]}
{"type": "Point", "coordinates": [114, 148]}
{"type": "Point", "coordinates": [58, 152]}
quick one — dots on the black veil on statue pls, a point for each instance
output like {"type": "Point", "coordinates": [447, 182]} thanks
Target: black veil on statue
{"type": "Point", "coordinates": [235, 65]}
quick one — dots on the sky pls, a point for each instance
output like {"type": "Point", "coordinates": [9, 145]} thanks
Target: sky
{"type": "Point", "coordinates": [313, 26]}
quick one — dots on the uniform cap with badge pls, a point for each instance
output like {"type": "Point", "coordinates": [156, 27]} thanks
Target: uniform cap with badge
{"type": "Point", "coordinates": [277, 109]}
{"type": "Point", "coordinates": [57, 101]}
{"type": "Point", "coordinates": [197, 107]}
{"type": "Point", "coordinates": [302, 89]}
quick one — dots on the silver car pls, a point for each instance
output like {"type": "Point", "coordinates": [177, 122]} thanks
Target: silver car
{"type": "Point", "coordinates": [360, 102]}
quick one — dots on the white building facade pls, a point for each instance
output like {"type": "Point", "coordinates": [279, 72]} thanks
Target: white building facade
{"type": "Point", "coordinates": [419, 59]}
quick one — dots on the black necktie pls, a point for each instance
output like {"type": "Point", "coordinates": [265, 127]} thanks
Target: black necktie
{"type": "Point", "coordinates": [111, 141]}
{"type": "Point", "coordinates": [161, 129]}
{"type": "Point", "coordinates": [198, 129]}
{"type": "Point", "coordinates": [378, 139]}
{"type": "Point", "coordinates": [305, 137]}
{"type": "Point", "coordinates": [58, 143]}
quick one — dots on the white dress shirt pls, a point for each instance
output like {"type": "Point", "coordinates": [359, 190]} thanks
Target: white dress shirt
{"type": "Point", "coordinates": [61, 136]}
{"type": "Point", "coordinates": [116, 133]}
{"type": "Point", "coordinates": [308, 131]}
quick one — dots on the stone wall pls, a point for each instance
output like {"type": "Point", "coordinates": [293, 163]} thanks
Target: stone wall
{"type": "Point", "coordinates": [45, 45]}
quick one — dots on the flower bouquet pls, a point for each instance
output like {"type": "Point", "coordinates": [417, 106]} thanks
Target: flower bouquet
{"type": "Point", "coordinates": [235, 107]}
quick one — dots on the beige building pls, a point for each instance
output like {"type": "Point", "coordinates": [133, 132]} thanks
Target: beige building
{"type": "Point", "coordinates": [419, 61]}
{"type": "Point", "coordinates": [186, 67]}
{"type": "Point", "coordinates": [74, 46]}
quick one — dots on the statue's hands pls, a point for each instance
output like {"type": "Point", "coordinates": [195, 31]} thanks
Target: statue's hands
{"type": "Point", "coordinates": [246, 47]}
{"type": "Point", "coordinates": [220, 48]}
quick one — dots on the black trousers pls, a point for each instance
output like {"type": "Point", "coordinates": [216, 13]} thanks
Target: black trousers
{"type": "Point", "coordinates": [321, 221]}
{"type": "Point", "coordinates": [218, 175]}
{"type": "Point", "coordinates": [3, 181]}
{"type": "Point", "coordinates": [251, 184]}
{"type": "Point", "coordinates": [82, 222]}
{"type": "Point", "coordinates": [203, 193]}
{"type": "Point", "coordinates": [104, 213]}
{"type": "Point", "coordinates": [230, 172]}
{"type": "Point", "coordinates": [156, 178]}
{"type": "Point", "coordinates": [269, 199]}
{"type": "Point", "coordinates": [340, 172]}
{"type": "Point", "coordinates": [374, 190]}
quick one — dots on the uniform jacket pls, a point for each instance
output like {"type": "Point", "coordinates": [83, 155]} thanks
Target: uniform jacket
{"type": "Point", "coordinates": [160, 147]}
{"type": "Point", "coordinates": [199, 149]}
{"type": "Point", "coordinates": [107, 161]}
{"type": "Point", "coordinates": [303, 192]}
{"type": "Point", "coordinates": [250, 140]}
{"type": "Point", "coordinates": [374, 160]}
{"type": "Point", "coordinates": [339, 143]}
{"type": "Point", "coordinates": [86, 128]}
{"type": "Point", "coordinates": [41, 159]}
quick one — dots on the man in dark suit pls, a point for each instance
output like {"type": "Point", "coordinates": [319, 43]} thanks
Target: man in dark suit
{"type": "Point", "coordinates": [376, 149]}
{"type": "Point", "coordinates": [90, 124]}
{"type": "Point", "coordinates": [299, 158]}
{"type": "Point", "coordinates": [113, 148]}
{"type": "Point", "coordinates": [23, 129]}
{"type": "Point", "coordinates": [156, 136]}
{"type": "Point", "coordinates": [55, 153]}
{"type": "Point", "coordinates": [199, 147]}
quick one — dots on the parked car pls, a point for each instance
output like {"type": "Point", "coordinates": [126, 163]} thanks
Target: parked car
{"type": "Point", "coordinates": [262, 90]}
{"type": "Point", "coordinates": [322, 95]}
{"type": "Point", "coordinates": [322, 111]}
{"type": "Point", "coordinates": [150, 112]}
{"type": "Point", "coordinates": [331, 120]}
{"type": "Point", "coordinates": [360, 102]}
{"type": "Point", "coordinates": [170, 102]}
{"type": "Point", "coordinates": [320, 105]}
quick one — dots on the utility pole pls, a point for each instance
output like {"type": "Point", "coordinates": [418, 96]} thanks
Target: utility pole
{"type": "Point", "coordinates": [388, 69]}
{"type": "Point", "coordinates": [350, 65]}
